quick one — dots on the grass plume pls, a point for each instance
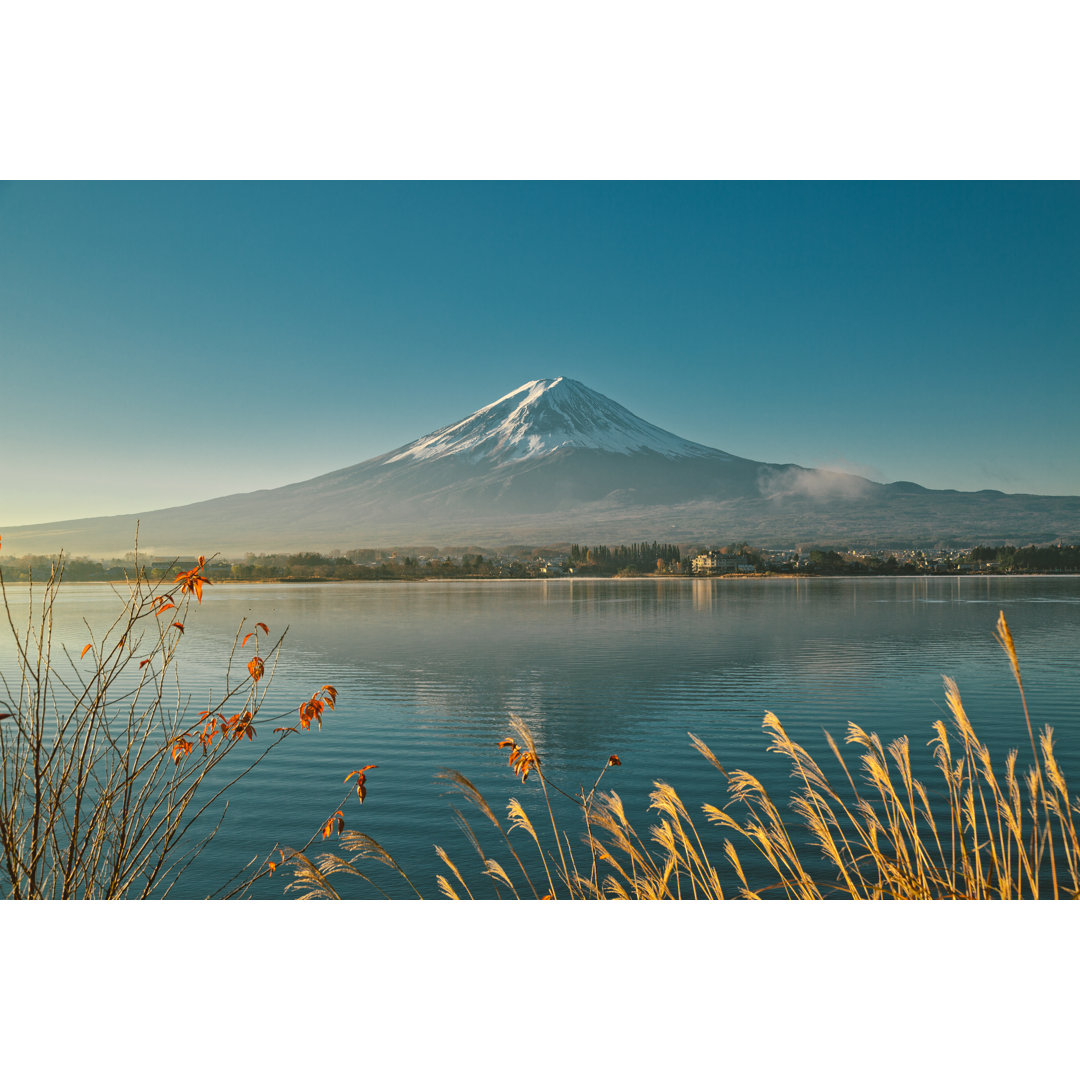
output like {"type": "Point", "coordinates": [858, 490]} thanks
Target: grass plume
{"type": "Point", "coordinates": [989, 830]}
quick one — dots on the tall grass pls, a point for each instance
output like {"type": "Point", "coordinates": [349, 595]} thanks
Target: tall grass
{"type": "Point", "coordinates": [976, 830]}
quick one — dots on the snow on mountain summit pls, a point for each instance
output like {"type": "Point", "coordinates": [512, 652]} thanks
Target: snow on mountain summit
{"type": "Point", "coordinates": [546, 415]}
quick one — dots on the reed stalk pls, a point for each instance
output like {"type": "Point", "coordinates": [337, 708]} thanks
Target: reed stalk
{"type": "Point", "coordinates": [884, 837]}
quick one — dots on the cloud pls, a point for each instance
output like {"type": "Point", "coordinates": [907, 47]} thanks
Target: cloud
{"type": "Point", "coordinates": [812, 483]}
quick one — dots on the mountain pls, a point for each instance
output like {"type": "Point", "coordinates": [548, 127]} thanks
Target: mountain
{"type": "Point", "coordinates": [554, 461]}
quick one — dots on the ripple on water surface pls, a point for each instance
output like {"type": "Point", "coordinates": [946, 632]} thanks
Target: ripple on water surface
{"type": "Point", "coordinates": [428, 675]}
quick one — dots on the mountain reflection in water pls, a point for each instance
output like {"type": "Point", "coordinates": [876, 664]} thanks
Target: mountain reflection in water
{"type": "Point", "coordinates": [428, 675]}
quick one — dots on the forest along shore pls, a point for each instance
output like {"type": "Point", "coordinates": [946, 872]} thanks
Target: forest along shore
{"type": "Point", "coordinates": [649, 559]}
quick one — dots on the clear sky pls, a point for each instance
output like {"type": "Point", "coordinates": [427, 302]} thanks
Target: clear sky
{"type": "Point", "coordinates": [166, 342]}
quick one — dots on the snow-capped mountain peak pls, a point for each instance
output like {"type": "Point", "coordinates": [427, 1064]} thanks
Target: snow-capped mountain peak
{"type": "Point", "coordinates": [543, 416]}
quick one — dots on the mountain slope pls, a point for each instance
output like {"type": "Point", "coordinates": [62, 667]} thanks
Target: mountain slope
{"type": "Point", "coordinates": [555, 461]}
{"type": "Point", "coordinates": [545, 416]}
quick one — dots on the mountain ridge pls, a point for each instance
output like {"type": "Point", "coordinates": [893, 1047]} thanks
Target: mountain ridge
{"type": "Point", "coordinates": [555, 461]}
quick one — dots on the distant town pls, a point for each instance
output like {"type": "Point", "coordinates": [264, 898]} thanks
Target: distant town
{"type": "Point", "coordinates": [572, 560]}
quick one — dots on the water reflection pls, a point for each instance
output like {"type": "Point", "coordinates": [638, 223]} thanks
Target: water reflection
{"type": "Point", "coordinates": [429, 673]}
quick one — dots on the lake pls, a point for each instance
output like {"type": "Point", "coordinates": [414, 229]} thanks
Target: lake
{"type": "Point", "coordinates": [428, 675]}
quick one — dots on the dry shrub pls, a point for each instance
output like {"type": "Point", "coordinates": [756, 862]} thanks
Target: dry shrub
{"type": "Point", "coordinates": [104, 770]}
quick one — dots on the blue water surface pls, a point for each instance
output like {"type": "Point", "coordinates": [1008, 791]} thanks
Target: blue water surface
{"type": "Point", "coordinates": [429, 674]}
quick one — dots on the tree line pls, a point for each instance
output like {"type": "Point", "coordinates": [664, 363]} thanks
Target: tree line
{"type": "Point", "coordinates": [1060, 558]}
{"type": "Point", "coordinates": [640, 558]}
{"type": "Point", "coordinates": [373, 564]}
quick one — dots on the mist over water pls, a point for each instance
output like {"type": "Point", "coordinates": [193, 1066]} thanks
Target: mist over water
{"type": "Point", "coordinates": [428, 675]}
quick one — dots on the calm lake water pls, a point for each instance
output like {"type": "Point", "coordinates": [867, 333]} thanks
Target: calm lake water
{"type": "Point", "coordinates": [429, 673]}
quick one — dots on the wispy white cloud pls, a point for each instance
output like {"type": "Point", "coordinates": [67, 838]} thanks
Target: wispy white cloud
{"type": "Point", "coordinates": [812, 483]}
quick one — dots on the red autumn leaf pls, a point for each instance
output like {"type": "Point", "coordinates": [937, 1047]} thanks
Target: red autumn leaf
{"type": "Point", "coordinates": [256, 668]}
{"type": "Point", "coordinates": [163, 608]}
{"type": "Point", "coordinates": [143, 663]}
{"type": "Point", "coordinates": [86, 649]}
{"type": "Point", "coordinates": [614, 760]}
{"type": "Point", "coordinates": [179, 626]}
{"type": "Point", "coordinates": [265, 629]}
{"type": "Point", "coordinates": [247, 637]}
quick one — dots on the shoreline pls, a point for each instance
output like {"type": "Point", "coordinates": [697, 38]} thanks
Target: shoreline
{"type": "Point", "coordinates": [576, 577]}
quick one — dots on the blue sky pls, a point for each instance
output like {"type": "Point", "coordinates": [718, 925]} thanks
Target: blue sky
{"type": "Point", "coordinates": [166, 342]}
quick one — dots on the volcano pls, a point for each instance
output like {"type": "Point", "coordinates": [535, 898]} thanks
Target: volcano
{"type": "Point", "coordinates": [556, 462]}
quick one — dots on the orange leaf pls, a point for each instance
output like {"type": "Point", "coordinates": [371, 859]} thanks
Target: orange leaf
{"type": "Point", "coordinates": [85, 650]}
{"type": "Point", "coordinates": [256, 667]}
{"type": "Point", "coordinates": [206, 736]}
{"type": "Point", "coordinates": [359, 772]}
{"type": "Point", "coordinates": [614, 760]}
{"type": "Point", "coordinates": [143, 663]}
{"type": "Point", "coordinates": [192, 580]}
{"type": "Point", "coordinates": [164, 607]}
{"type": "Point", "coordinates": [247, 638]}
{"type": "Point", "coordinates": [265, 628]}
{"type": "Point", "coordinates": [361, 780]}
{"type": "Point", "coordinates": [181, 748]}
{"type": "Point", "coordinates": [239, 725]}
{"type": "Point", "coordinates": [179, 626]}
